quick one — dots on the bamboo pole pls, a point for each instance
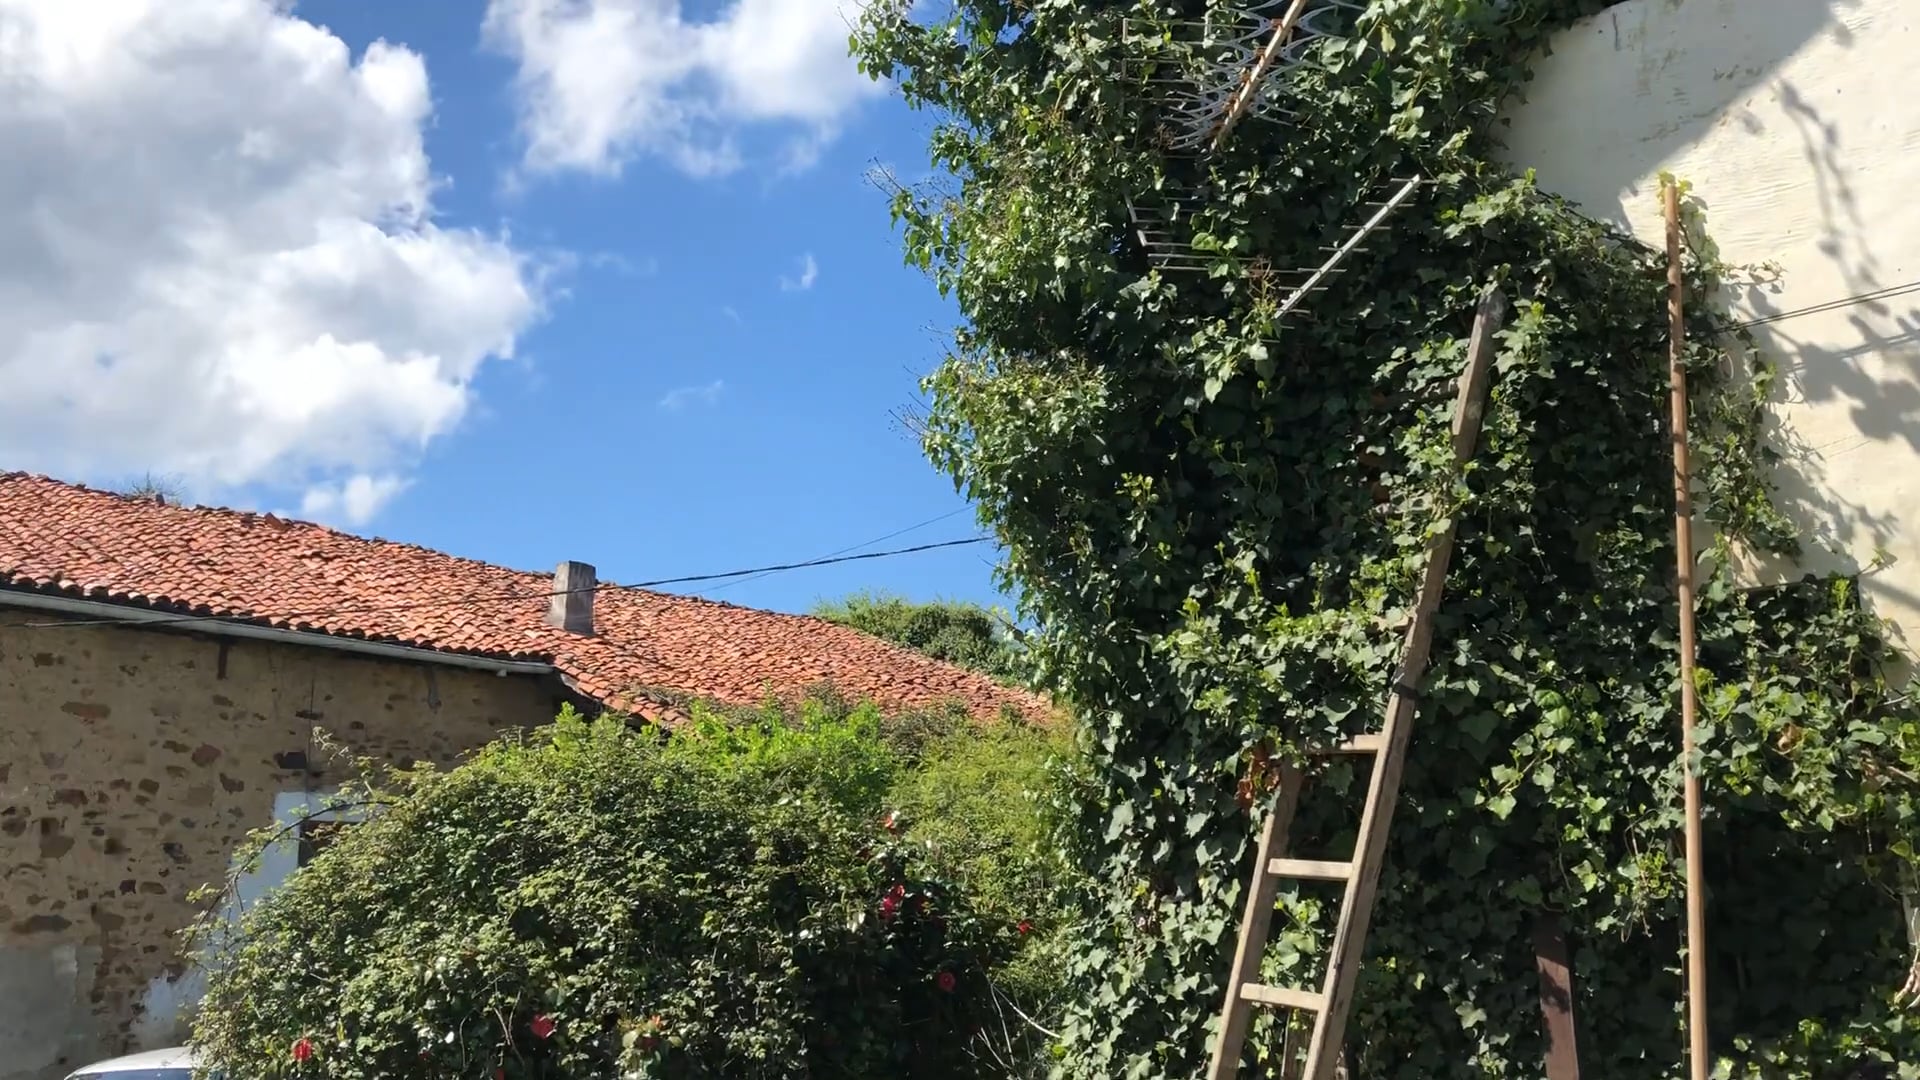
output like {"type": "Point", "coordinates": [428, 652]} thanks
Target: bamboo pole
{"type": "Point", "coordinates": [1697, 1061]}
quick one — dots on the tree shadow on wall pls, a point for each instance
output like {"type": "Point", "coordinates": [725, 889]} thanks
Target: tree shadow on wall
{"type": "Point", "coordinates": [1861, 354]}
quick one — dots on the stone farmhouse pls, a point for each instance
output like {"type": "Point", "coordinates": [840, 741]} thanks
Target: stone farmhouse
{"type": "Point", "coordinates": [162, 671]}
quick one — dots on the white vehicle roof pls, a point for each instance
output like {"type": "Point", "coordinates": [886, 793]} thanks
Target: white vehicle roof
{"type": "Point", "coordinates": [174, 1057]}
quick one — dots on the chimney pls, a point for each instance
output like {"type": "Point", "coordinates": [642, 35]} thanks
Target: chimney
{"type": "Point", "coordinates": [571, 607]}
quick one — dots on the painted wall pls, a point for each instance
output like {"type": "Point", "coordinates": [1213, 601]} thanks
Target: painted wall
{"type": "Point", "coordinates": [131, 764]}
{"type": "Point", "coordinates": [1798, 124]}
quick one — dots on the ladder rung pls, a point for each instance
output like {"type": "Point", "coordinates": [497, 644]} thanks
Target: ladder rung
{"type": "Point", "coordinates": [1281, 997]}
{"type": "Point", "coordinates": [1310, 869]}
{"type": "Point", "coordinates": [1359, 744]}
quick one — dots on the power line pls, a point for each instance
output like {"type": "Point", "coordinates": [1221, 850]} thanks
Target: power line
{"type": "Point", "coordinates": [544, 594]}
{"type": "Point", "coordinates": [853, 547]}
{"type": "Point", "coordinates": [824, 561]}
{"type": "Point", "coordinates": [1856, 299]}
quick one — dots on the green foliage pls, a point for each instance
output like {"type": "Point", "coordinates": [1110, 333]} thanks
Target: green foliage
{"type": "Point", "coordinates": [1217, 517]}
{"type": "Point", "coordinates": [731, 900]}
{"type": "Point", "coordinates": [959, 633]}
{"type": "Point", "coordinates": [980, 802]}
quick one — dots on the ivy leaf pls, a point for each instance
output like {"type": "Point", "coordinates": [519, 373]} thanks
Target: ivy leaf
{"type": "Point", "coordinates": [1480, 726]}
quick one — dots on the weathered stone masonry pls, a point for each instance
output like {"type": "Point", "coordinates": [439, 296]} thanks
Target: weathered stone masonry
{"type": "Point", "coordinates": [132, 762]}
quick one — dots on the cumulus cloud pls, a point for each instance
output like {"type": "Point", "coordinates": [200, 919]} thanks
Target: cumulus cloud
{"type": "Point", "coordinates": [222, 261]}
{"type": "Point", "coordinates": [809, 273]}
{"type": "Point", "coordinates": [603, 81]}
{"type": "Point", "coordinates": [705, 394]}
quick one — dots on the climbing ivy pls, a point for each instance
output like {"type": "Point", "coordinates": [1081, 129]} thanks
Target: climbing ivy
{"type": "Point", "coordinates": [1217, 516]}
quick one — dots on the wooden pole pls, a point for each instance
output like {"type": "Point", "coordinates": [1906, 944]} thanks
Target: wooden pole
{"type": "Point", "coordinates": [1250, 79]}
{"type": "Point", "coordinates": [1698, 1064]}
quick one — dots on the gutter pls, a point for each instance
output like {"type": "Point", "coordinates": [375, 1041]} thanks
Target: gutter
{"type": "Point", "coordinates": [161, 620]}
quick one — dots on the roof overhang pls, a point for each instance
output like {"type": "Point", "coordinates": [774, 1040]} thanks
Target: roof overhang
{"type": "Point", "coordinates": [143, 618]}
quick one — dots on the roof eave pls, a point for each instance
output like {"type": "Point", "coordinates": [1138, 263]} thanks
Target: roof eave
{"type": "Point", "coordinates": [140, 617]}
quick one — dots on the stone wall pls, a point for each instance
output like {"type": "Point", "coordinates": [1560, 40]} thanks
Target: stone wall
{"type": "Point", "coordinates": [131, 764]}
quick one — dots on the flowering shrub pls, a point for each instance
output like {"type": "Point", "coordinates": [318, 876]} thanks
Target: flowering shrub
{"type": "Point", "coordinates": [595, 901]}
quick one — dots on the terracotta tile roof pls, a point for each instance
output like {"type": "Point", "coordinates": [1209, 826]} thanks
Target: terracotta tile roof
{"type": "Point", "coordinates": [58, 537]}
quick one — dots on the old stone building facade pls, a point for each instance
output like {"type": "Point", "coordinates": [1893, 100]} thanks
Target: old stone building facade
{"type": "Point", "coordinates": [132, 762]}
{"type": "Point", "coordinates": [163, 671]}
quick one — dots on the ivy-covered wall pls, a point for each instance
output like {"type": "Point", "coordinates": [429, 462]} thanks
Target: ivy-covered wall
{"type": "Point", "coordinates": [1216, 515]}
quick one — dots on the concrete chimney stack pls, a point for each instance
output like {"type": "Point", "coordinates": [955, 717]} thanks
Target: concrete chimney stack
{"type": "Point", "coordinates": [571, 608]}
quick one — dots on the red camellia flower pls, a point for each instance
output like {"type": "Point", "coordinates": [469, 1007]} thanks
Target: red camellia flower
{"type": "Point", "coordinates": [890, 903]}
{"type": "Point", "coordinates": [890, 821]}
{"type": "Point", "coordinates": [542, 1026]}
{"type": "Point", "coordinates": [302, 1049]}
{"type": "Point", "coordinates": [1025, 927]}
{"type": "Point", "coordinates": [946, 982]}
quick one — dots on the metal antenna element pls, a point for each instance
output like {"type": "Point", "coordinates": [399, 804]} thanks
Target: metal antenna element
{"type": "Point", "coordinates": [1221, 66]}
{"type": "Point", "coordinates": [1340, 253]}
{"type": "Point", "coordinates": [1164, 230]}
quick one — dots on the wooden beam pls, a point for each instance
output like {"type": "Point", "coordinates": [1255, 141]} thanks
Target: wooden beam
{"type": "Point", "coordinates": [1556, 998]}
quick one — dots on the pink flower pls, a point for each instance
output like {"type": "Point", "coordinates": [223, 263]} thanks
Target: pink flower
{"type": "Point", "coordinates": [890, 904]}
{"type": "Point", "coordinates": [302, 1049]}
{"type": "Point", "coordinates": [946, 982]}
{"type": "Point", "coordinates": [1025, 927]}
{"type": "Point", "coordinates": [890, 822]}
{"type": "Point", "coordinates": [543, 1026]}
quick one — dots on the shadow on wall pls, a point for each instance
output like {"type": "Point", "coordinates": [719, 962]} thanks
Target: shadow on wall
{"type": "Point", "coordinates": [1863, 356]}
{"type": "Point", "coordinates": [1676, 92]}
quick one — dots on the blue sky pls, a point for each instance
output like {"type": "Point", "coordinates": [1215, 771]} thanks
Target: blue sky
{"type": "Point", "coordinates": [717, 320]}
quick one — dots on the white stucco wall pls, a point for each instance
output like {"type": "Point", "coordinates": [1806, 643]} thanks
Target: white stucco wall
{"type": "Point", "coordinates": [1798, 124]}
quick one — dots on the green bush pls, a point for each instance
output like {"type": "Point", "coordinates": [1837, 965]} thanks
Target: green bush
{"type": "Point", "coordinates": [731, 900]}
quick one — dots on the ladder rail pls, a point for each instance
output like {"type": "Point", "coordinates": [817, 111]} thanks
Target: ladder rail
{"type": "Point", "coordinates": [1254, 923]}
{"type": "Point", "coordinates": [1331, 1006]}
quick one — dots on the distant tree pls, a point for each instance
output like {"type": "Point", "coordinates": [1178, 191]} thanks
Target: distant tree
{"type": "Point", "coordinates": [955, 631]}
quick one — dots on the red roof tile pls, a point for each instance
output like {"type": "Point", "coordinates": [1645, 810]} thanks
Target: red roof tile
{"type": "Point", "coordinates": [58, 537]}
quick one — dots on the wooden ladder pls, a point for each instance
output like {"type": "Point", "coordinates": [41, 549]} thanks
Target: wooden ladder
{"type": "Point", "coordinates": [1360, 877]}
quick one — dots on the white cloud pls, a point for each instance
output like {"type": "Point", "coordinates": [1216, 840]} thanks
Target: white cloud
{"type": "Point", "coordinates": [603, 81]}
{"type": "Point", "coordinates": [353, 501]}
{"type": "Point", "coordinates": [809, 273]}
{"type": "Point", "coordinates": [221, 260]}
{"type": "Point", "coordinates": [693, 395]}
